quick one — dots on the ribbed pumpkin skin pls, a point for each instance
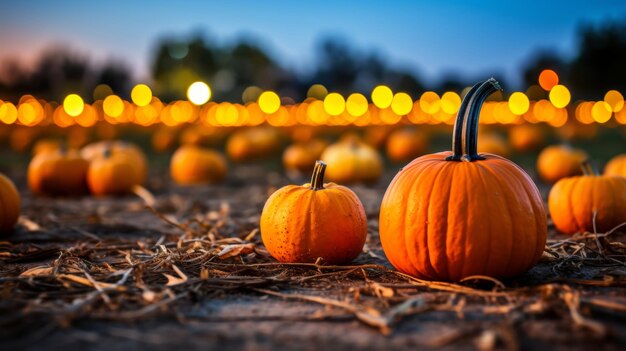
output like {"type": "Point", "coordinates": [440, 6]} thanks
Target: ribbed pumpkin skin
{"type": "Point", "coordinates": [9, 205]}
{"type": "Point", "coordinates": [572, 202]}
{"type": "Point", "coordinates": [97, 149]}
{"type": "Point", "coordinates": [192, 165]}
{"type": "Point", "coordinates": [299, 224]}
{"type": "Point", "coordinates": [58, 174]}
{"type": "Point", "coordinates": [616, 166]}
{"type": "Point", "coordinates": [444, 220]}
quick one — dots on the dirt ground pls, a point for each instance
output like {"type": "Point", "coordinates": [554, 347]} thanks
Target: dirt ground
{"type": "Point", "coordinates": [186, 269]}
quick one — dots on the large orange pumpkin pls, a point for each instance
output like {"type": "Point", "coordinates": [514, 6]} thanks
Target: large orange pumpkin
{"type": "Point", "coordinates": [58, 173]}
{"type": "Point", "coordinates": [352, 161]}
{"type": "Point", "coordinates": [406, 144]}
{"type": "Point", "coordinates": [575, 201]}
{"type": "Point", "coordinates": [451, 215]}
{"type": "Point", "coordinates": [301, 157]}
{"type": "Point", "coordinates": [559, 161]}
{"type": "Point", "coordinates": [616, 166]}
{"type": "Point", "coordinates": [97, 149]}
{"type": "Point", "coordinates": [302, 223]}
{"type": "Point", "coordinates": [111, 174]}
{"type": "Point", "coordinates": [9, 205]}
{"type": "Point", "coordinates": [195, 165]}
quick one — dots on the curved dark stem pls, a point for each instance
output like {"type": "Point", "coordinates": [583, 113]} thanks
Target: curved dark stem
{"type": "Point", "coordinates": [317, 179]}
{"type": "Point", "coordinates": [587, 168]}
{"type": "Point", "coordinates": [457, 133]}
{"type": "Point", "coordinates": [470, 129]}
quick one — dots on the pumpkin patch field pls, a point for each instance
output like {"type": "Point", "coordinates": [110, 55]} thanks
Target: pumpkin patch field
{"type": "Point", "coordinates": [425, 176]}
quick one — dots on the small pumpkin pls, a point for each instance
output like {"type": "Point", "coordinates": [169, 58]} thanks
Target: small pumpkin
{"type": "Point", "coordinates": [302, 223]}
{"type": "Point", "coordinates": [192, 164]}
{"type": "Point", "coordinates": [163, 139]}
{"type": "Point", "coordinates": [559, 161]}
{"type": "Point", "coordinates": [9, 205]}
{"type": "Point", "coordinates": [301, 157]}
{"type": "Point", "coordinates": [108, 174]}
{"type": "Point", "coordinates": [575, 201]}
{"type": "Point", "coordinates": [253, 144]}
{"type": "Point", "coordinates": [616, 166]}
{"type": "Point", "coordinates": [352, 161]}
{"type": "Point", "coordinates": [97, 149]}
{"type": "Point", "coordinates": [450, 215]}
{"type": "Point", "coordinates": [527, 137]}
{"type": "Point", "coordinates": [406, 144]}
{"type": "Point", "coordinates": [58, 173]}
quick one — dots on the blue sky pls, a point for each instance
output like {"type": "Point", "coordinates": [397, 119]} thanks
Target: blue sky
{"type": "Point", "coordinates": [471, 38]}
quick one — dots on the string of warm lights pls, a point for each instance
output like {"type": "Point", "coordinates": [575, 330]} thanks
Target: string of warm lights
{"type": "Point", "coordinates": [320, 108]}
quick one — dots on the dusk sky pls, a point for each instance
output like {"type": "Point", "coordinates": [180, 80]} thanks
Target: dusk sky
{"type": "Point", "coordinates": [464, 37]}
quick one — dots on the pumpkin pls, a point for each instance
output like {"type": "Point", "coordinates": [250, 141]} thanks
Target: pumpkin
{"type": "Point", "coordinates": [163, 139]}
{"type": "Point", "coordinates": [108, 174]}
{"type": "Point", "coordinates": [252, 144]}
{"type": "Point", "coordinates": [559, 161]}
{"type": "Point", "coordinates": [616, 166]}
{"type": "Point", "coordinates": [526, 137]}
{"type": "Point", "coordinates": [493, 143]}
{"type": "Point", "coordinates": [301, 157]}
{"type": "Point", "coordinates": [450, 215]}
{"type": "Point", "coordinates": [377, 136]}
{"type": "Point", "coordinates": [406, 144]}
{"type": "Point", "coordinates": [352, 161]}
{"type": "Point", "coordinates": [192, 164]}
{"type": "Point", "coordinates": [302, 223]}
{"type": "Point", "coordinates": [97, 149]}
{"type": "Point", "coordinates": [46, 145]}
{"type": "Point", "coordinates": [575, 201]}
{"type": "Point", "coordinates": [58, 173]}
{"type": "Point", "coordinates": [9, 205]}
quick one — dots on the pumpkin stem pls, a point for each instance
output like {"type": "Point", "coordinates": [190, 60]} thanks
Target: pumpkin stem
{"type": "Point", "coordinates": [457, 133]}
{"type": "Point", "coordinates": [317, 179]}
{"type": "Point", "coordinates": [587, 168]}
{"type": "Point", "coordinates": [470, 130]}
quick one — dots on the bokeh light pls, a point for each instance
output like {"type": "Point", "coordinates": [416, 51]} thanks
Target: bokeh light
{"type": "Point", "coordinates": [269, 102]}
{"type": "Point", "coordinates": [141, 95]}
{"type": "Point", "coordinates": [382, 96]}
{"type": "Point", "coordinates": [615, 100]}
{"type": "Point", "coordinates": [519, 103]}
{"type": "Point", "coordinates": [450, 102]}
{"type": "Point", "coordinates": [601, 112]}
{"type": "Point", "coordinates": [334, 104]}
{"type": "Point", "coordinates": [199, 93]}
{"type": "Point", "coordinates": [560, 96]}
{"type": "Point", "coordinates": [317, 91]}
{"type": "Point", "coordinates": [73, 105]}
{"type": "Point", "coordinates": [401, 104]}
{"type": "Point", "coordinates": [113, 106]}
{"type": "Point", "coordinates": [356, 104]}
{"type": "Point", "coordinates": [430, 102]}
{"type": "Point", "coordinates": [548, 79]}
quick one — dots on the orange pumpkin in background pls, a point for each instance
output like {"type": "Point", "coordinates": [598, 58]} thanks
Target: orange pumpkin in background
{"type": "Point", "coordinates": [527, 137]}
{"type": "Point", "coordinates": [192, 165]}
{"type": "Point", "coordinates": [575, 201]}
{"type": "Point", "coordinates": [406, 144]}
{"type": "Point", "coordinates": [352, 161]}
{"type": "Point", "coordinates": [301, 157]}
{"type": "Point", "coordinates": [97, 149]}
{"type": "Point", "coordinates": [46, 145]}
{"type": "Point", "coordinates": [493, 143]}
{"type": "Point", "coordinates": [303, 223]}
{"type": "Point", "coordinates": [616, 166]}
{"type": "Point", "coordinates": [163, 139]}
{"type": "Point", "coordinates": [451, 215]}
{"type": "Point", "coordinates": [377, 136]}
{"type": "Point", "coordinates": [58, 173]}
{"type": "Point", "coordinates": [111, 174]}
{"type": "Point", "coordinates": [559, 161]}
{"type": "Point", "coordinates": [253, 144]}
{"type": "Point", "coordinates": [9, 205]}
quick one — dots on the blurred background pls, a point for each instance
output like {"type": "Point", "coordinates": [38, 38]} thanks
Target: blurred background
{"type": "Point", "coordinates": [162, 74]}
